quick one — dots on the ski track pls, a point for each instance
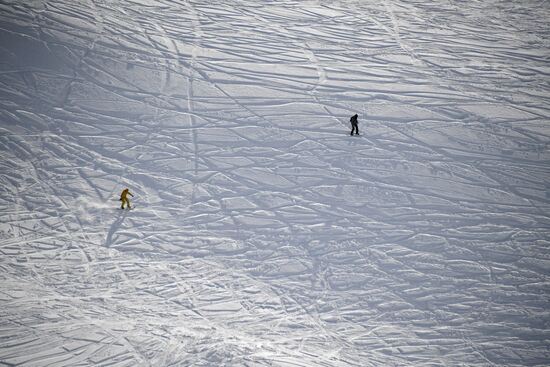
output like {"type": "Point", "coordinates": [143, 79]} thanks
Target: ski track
{"type": "Point", "coordinates": [263, 234]}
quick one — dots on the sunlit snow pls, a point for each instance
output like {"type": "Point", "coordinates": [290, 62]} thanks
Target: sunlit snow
{"type": "Point", "coordinates": [263, 234]}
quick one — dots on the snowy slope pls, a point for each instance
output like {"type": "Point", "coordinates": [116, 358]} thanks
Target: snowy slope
{"type": "Point", "coordinates": [263, 234]}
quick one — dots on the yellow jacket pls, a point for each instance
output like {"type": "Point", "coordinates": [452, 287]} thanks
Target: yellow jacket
{"type": "Point", "coordinates": [124, 194]}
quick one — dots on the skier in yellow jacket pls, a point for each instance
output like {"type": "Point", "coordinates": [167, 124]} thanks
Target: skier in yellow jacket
{"type": "Point", "coordinates": [124, 198]}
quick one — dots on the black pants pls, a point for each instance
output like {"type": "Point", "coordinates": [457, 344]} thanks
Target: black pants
{"type": "Point", "coordinates": [354, 127]}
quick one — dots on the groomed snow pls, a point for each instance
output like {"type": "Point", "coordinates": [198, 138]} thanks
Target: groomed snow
{"type": "Point", "coordinates": [263, 234]}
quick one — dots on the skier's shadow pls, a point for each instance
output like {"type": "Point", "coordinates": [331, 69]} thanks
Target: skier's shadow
{"type": "Point", "coordinates": [114, 227]}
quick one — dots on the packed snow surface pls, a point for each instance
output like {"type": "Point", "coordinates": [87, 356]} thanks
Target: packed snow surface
{"type": "Point", "coordinates": [263, 234]}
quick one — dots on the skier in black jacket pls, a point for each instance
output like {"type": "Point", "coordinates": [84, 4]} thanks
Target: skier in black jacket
{"type": "Point", "coordinates": [354, 125]}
